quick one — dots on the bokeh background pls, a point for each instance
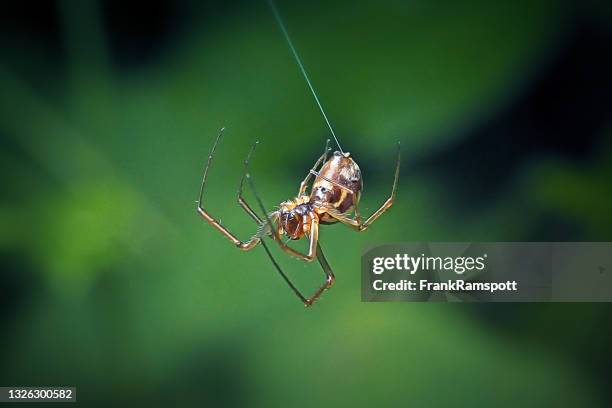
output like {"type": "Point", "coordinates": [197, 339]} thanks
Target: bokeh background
{"type": "Point", "coordinates": [110, 282]}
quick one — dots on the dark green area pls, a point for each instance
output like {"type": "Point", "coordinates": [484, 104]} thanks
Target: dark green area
{"type": "Point", "coordinates": [110, 282]}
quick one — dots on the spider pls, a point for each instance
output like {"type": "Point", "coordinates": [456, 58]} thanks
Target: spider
{"type": "Point", "coordinates": [334, 194]}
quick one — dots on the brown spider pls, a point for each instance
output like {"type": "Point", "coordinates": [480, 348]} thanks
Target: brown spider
{"type": "Point", "coordinates": [334, 194]}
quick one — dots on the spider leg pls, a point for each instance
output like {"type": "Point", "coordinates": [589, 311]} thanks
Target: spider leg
{"type": "Point", "coordinates": [255, 217]}
{"type": "Point", "coordinates": [356, 222]}
{"type": "Point", "coordinates": [283, 274]}
{"type": "Point", "coordinates": [304, 183]}
{"type": "Point", "coordinates": [389, 202]}
{"type": "Point", "coordinates": [329, 278]}
{"type": "Point", "coordinates": [249, 210]}
{"type": "Point", "coordinates": [241, 201]}
{"type": "Point", "coordinates": [329, 275]}
{"type": "Point", "coordinates": [243, 245]}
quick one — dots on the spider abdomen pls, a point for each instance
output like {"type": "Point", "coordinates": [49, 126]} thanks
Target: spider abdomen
{"type": "Point", "coordinates": [337, 185]}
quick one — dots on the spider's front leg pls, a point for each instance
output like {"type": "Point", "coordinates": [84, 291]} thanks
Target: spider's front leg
{"type": "Point", "coordinates": [314, 249]}
{"type": "Point", "coordinates": [243, 245]}
{"type": "Point", "coordinates": [330, 279]}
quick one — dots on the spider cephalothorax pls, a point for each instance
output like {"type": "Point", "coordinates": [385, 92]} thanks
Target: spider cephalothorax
{"type": "Point", "coordinates": [295, 217]}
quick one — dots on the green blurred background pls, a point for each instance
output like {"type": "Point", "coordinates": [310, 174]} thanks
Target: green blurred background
{"type": "Point", "coordinates": [109, 281]}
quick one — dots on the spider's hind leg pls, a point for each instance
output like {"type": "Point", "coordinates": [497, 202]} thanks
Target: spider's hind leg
{"type": "Point", "coordinates": [387, 204]}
